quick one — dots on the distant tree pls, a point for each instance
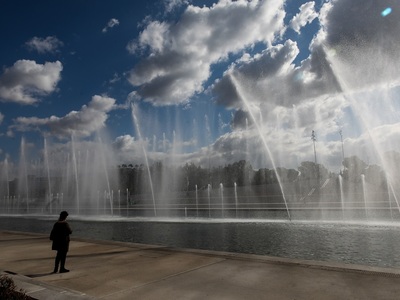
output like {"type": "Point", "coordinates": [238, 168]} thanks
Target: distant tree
{"type": "Point", "coordinates": [216, 176]}
{"type": "Point", "coordinates": [392, 164]}
{"type": "Point", "coordinates": [292, 175]}
{"type": "Point", "coordinates": [239, 172]}
{"type": "Point", "coordinates": [194, 175]}
{"type": "Point", "coordinates": [271, 177]}
{"type": "Point", "coordinates": [259, 177]}
{"type": "Point", "coordinates": [354, 167]}
{"type": "Point", "coordinates": [374, 174]}
{"type": "Point", "coordinates": [287, 175]}
{"type": "Point", "coordinates": [311, 170]}
{"type": "Point", "coordinates": [392, 167]}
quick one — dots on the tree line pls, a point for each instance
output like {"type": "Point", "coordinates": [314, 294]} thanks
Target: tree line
{"type": "Point", "coordinates": [190, 177]}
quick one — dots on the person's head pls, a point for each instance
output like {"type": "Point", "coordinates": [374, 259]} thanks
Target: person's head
{"type": "Point", "coordinates": [63, 215]}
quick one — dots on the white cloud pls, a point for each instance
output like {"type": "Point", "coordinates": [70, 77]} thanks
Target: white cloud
{"type": "Point", "coordinates": [112, 23]}
{"type": "Point", "coordinates": [115, 78]}
{"type": "Point", "coordinates": [350, 81]}
{"type": "Point", "coordinates": [26, 81]}
{"type": "Point", "coordinates": [286, 131]}
{"type": "Point", "coordinates": [124, 143]}
{"type": "Point", "coordinates": [89, 119]}
{"type": "Point", "coordinates": [336, 87]}
{"type": "Point", "coordinates": [306, 15]}
{"type": "Point", "coordinates": [50, 44]}
{"type": "Point", "coordinates": [270, 79]}
{"type": "Point", "coordinates": [170, 5]}
{"type": "Point", "coordinates": [373, 145]}
{"type": "Point", "coordinates": [181, 54]}
{"type": "Point", "coordinates": [361, 45]}
{"type": "Point", "coordinates": [128, 149]}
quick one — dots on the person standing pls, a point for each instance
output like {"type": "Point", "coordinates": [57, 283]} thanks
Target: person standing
{"type": "Point", "coordinates": [60, 237]}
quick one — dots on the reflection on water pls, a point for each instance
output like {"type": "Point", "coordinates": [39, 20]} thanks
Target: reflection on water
{"type": "Point", "coordinates": [375, 245]}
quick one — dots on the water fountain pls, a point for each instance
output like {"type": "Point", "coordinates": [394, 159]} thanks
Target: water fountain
{"type": "Point", "coordinates": [73, 187]}
{"type": "Point", "coordinates": [197, 202]}
{"type": "Point", "coordinates": [236, 200]}
{"type": "Point", "coordinates": [342, 200]}
{"type": "Point", "coordinates": [221, 190]}
{"type": "Point", "coordinates": [85, 179]}
{"type": "Point", "coordinates": [264, 142]}
{"type": "Point", "coordinates": [135, 119]}
{"type": "Point", "coordinates": [209, 199]}
{"type": "Point", "coordinates": [60, 179]}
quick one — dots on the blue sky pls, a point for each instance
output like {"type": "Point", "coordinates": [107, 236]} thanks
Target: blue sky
{"type": "Point", "coordinates": [201, 75]}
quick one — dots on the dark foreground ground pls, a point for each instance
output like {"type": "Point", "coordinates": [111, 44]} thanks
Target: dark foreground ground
{"type": "Point", "coordinates": [116, 270]}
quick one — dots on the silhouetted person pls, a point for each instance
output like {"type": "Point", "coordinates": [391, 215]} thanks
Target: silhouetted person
{"type": "Point", "coordinates": [60, 237]}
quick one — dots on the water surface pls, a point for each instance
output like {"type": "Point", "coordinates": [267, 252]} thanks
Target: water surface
{"type": "Point", "coordinates": [365, 244]}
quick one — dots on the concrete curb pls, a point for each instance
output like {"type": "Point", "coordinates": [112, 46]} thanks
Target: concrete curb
{"type": "Point", "coordinates": [43, 291]}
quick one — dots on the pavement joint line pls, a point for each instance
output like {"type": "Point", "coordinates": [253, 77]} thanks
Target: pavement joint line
{"type": "Point", "coordinates": [322, 265]}
{"type": "Point", "coordinates": [164, 278]}
{"type": "Point", "coordinates": [98, 254]}
{"type": "Point", "coordinates": [352, 270]}
{"type": "Point", "coordinates": [21, 239]}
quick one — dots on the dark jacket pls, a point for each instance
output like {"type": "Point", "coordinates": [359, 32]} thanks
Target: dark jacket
{"type": "Point", "coordinates": [60, 236]}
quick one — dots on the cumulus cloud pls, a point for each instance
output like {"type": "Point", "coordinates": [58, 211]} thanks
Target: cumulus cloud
{"type": "Point", "coordinates": [306, 15]}
{"type": "Point", "coordinates": [348, 82]}
{"type": "Point", "coordinates": [128, 149]}
{"type": "Point", "coordinates": [180, 54]}
{"type": "Point", "coordinates": [27, 80]}
{"type": "Point", "coordinates": [361, 44]}
{"type": "Point", "coordinates": [124, 143]}
{"type": "Point", "coordinates": [286, 132]}
{"type": "Point", "coordinates": [347, 56]}
{"type": "Point", "coordinates": [112, 23]}
{"type": "Point", "coordinates": [170, 5]}
{"type": "Point", "coordinates": [271, 79]}
{"type": "Point", "coordinates": [374, 144]}
{"type": "Point", "coordinates": [115, 78]}
{"type": "Point", "coordinates": [369, 128]}
{"type": "Point", "coordinates": [89, 119]}
{"type": "Point", "coordinates": [50, 44]}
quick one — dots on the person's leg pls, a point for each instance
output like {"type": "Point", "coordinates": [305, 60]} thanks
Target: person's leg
{"type": "Point", "coordinates": [62, 260]}
{"type": "Point", "coordinates": [57, 262]}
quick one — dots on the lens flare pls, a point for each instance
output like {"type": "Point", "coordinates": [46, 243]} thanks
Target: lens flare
{"type": "Point", "coordinates": [386, 11]}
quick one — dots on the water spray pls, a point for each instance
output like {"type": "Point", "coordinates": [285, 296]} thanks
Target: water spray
{"type": "Point", "coordinates": [135, 120]}
{"type": "Point", "coordinates": [241, 96]}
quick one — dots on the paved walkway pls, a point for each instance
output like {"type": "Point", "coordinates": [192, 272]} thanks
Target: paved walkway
{"type": "Point", "coordinates": [115, 270]}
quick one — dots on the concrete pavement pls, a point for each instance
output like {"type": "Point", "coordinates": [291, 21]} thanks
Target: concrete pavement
{"type": "Point", "coordinates": [115, 270]}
